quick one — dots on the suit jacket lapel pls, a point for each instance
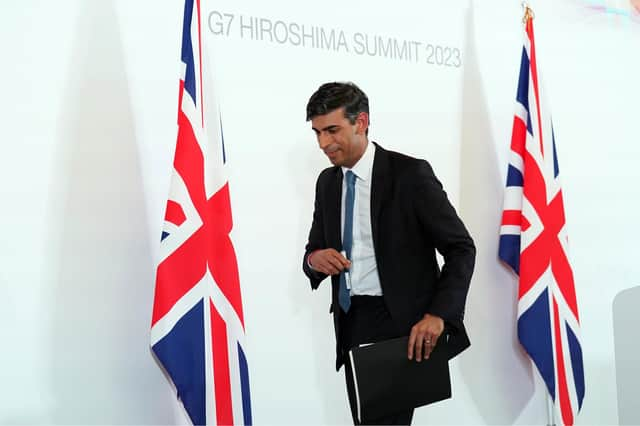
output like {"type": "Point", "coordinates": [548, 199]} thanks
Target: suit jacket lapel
{"type": "Point", "coordinates": [334, 205]}
{"type": "Point", "coordinates": [380, 186]}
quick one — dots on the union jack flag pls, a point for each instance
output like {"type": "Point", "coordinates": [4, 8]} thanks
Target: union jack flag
{"type": "Point", "coordinates": [197, 325]}
{"type": "Point", "coordinates": [534, 243]}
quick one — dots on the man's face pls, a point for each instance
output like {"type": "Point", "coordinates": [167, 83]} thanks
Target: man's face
{"type": "Point", "coordinates": [342, 142]}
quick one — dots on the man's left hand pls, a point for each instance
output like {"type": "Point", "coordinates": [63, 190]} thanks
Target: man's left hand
{"type": "Point", "coordinates": [424, 336]}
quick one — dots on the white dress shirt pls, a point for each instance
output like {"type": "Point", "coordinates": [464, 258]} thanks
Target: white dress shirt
{"type": "Point", "coordinates": [363, 273]}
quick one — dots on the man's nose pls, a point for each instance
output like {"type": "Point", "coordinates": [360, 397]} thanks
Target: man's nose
{"type": "Point", "coordinates": [324, 140]}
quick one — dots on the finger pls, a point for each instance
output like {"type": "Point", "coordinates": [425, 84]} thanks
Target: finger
{"type": "Point", "coordinates": [419, 348]}
{"type": "Point", "coordinates": [322, 262]}
{"type": "Point", "coordinates": [344, 262]}
{"type": "Point", "coordinates": [428, 347]}
{"type": "Point", "coordinates": [331, 270]}
{"type": "Point", "coordinates": [335, 263]}
{"type": "Point", "coordinates": [335, 267]}
{"type": "Point", "coordinates": [341, 257]}
{"type": "Point", "coordinates": [326, 267]}
{"type": "Point", "coordinates": [410, 346]}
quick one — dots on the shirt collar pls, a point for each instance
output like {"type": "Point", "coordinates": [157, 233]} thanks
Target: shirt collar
{"type": "Point", "coordinates": [364, 165]}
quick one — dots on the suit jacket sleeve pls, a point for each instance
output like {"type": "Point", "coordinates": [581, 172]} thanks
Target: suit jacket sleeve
{"type": "Point", "coordinates": [444, 228]}
{"type": "Point", "coordinates": [316, 239]}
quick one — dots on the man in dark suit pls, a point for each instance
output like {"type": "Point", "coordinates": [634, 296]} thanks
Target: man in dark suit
{"type": "Point", "coordinates": [378, 220]}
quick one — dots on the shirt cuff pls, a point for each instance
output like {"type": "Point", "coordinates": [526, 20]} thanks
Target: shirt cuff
{"type": "Point", "coordinates": [309, 263]}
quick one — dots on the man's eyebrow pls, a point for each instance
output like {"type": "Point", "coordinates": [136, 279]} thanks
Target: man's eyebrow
{"type": "Point", "coordinates": [332, 126]}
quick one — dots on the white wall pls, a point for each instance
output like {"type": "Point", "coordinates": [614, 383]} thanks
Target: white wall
{"type": "Point", "coordinates": [88, 123]}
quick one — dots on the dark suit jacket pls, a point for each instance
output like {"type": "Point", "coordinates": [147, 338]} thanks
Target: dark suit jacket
{"type": "Point", "coordinates": [411, 218]}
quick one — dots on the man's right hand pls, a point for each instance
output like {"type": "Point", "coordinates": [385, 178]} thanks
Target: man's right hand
{"type": "Point", "coordinates": [328, 261]}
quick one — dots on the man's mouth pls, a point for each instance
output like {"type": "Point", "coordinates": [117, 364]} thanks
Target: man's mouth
{"type": "Point", "coordinates": [331, 150]}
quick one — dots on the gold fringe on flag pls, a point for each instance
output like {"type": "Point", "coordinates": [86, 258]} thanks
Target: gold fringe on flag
{"type": "Point", "coordinates": [528, 13]}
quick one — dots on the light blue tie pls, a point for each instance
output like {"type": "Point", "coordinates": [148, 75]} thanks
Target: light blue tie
{"type": "Point", "coordinates": [347, 238]}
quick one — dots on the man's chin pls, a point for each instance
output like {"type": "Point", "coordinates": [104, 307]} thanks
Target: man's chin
{"type": "Point", "coordinates": [336, 161]}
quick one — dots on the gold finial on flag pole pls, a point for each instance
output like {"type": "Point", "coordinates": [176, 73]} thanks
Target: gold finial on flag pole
{"type": "Point", "coordinates": [528, 12]}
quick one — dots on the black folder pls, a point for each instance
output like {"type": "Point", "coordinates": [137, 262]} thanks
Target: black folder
{"type": "Point", "coordinates": [386, 381]}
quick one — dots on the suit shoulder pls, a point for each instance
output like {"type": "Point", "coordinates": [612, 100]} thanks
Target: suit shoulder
{"type": "Point", "coordinates": [328, 173]}
{"type": "Point", "coordinates": [403, 164]}
{"type": "Point", "coordinates": [326, 176]}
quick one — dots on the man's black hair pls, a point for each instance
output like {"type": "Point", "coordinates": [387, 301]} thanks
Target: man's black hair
{"type": "Point", "coordinates": [332, 96]}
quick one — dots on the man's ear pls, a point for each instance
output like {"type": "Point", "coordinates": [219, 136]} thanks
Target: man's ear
{"type": "Point", "coordinates": [362, 123]}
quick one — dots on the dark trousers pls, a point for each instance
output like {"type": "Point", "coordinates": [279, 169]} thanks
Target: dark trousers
{"type": "Point", "coordinates": [368, 321]}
